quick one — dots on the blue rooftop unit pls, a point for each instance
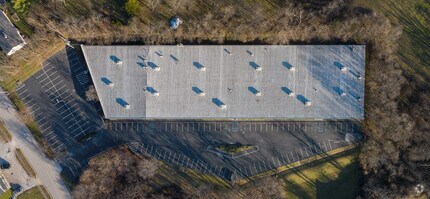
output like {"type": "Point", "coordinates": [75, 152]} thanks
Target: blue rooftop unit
{"type": "Point", "coordinates": [175, 22]}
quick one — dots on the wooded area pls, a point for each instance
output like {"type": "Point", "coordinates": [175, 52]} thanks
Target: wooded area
{"type": "Point", "coordinates": [118, 173]}
{"type": "Point", "coordinates": [396, 156]}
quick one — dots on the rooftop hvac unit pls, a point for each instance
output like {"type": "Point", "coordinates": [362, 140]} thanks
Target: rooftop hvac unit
{"type": "Point", "coordinates": [127, 106]}
{"type": "Point", "coordinates": [292, 68]}
{"type": "Point", "coordinates": [343, 68]}
{"type": "Point", "coordinates": [308, 103]}
{"type": "Point", "coordinates": [160, 54]}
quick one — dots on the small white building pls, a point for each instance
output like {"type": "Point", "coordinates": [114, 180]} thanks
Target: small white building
{"type": "Point", "coordinates": [10, 38]}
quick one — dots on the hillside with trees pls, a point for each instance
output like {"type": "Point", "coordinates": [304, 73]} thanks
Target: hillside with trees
{"type": "Point", "coordinates": [120, 174]}
{"type": "Point", "coordinates": [395, 157]}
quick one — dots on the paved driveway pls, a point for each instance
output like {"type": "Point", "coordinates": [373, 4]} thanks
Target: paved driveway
{"type": "Point", "coordinates": [48, 172]}
{"type": "Point", "coordinates": [75, 130]}
{"type": "Point", "coordinates": [276, 143]}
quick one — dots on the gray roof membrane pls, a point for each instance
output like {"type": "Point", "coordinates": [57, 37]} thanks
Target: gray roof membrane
{"type": "Point", "coordinates": [229, 81]}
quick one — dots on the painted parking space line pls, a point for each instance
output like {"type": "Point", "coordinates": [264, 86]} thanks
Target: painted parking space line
{"type": "Point", "coordinates": [24, 97]}
{"type": "Point", "coordinates": [67, 107]}
{"type": "Point", "coordinates": [28, 102]}
{"type": "Point", "coordinates": [47, 77]}
{"type": "Point", "coordinates": [21, 92]}
{"type": "Point", "coordinates": [59, 87]}
{"type": "Point", "coordinates": [51, 84]}
{"type": "Point", "coordinates": [44, 124]}
{"type": "Point", "coordinates": [43, 73]}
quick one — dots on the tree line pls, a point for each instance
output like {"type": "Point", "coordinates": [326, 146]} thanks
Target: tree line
{"type": "Point", "coordinates": [395, 157]}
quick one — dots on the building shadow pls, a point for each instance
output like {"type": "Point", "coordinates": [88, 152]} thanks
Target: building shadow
{"type": "Point", "coordinates": [151, 90]}
{"type": "Point", "coordinates": [302, 99]}
{"type": "Point", "coordinates": [252, 90]}
{"type": "Point", "coordinates": [152, 65]}
{"type": "Point", "coordinates": [174, 58]}
{"type": "Point", "coordinates": [115, 58]}
{"type": "Point", "coordinates": [197, 90]}
{"type": "Point", "coordinates": [286, 90]}
{"type": "Point", "coordinates": [254, 65]}
{"type": "Point", "coordinates": [338, 65]}
{"type": "Point", "coordinates": [217, 102]}
{"type": "Point", "coordinates": [287, 65]}
{"type": "Point", "coordinates": [106, 81]}
{"type": "Point", "coordinates": [198, 65]}
{"type": "Point", "coordinates": [121, 102]}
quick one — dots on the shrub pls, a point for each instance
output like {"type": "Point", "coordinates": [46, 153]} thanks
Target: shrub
{"type": "Point", "coordinates": [132, 7]}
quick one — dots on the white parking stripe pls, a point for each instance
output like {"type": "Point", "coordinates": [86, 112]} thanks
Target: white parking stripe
{"type": "Point", "coordinates": [21, 92]}
{"type": "Point", "coordinates": [70, 126]}
{"type": "Point", "coordinates": [49, 133]}
{"type": "Point", "coordinates": [55, 142]}
{"type": "Point", "coordinates": [28, 102]}
{"type": "Point", "coordinates": [53, 137]}
{"type": "Point", "coordinates": [25, 98]}
{"type": "Point", "coordinates": [52, 85]}
{"type": "Point", "coordinates": [44, 124]}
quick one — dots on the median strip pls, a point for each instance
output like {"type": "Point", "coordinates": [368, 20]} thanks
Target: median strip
{"type": "Point", "coordinates": [24, 163]}
{"type": "Point", "coordinates": [4, 133]}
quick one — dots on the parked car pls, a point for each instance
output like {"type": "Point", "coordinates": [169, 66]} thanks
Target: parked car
{"type": "Point", "coordinates": [5, 165]}
{"type": "Point", "coordinates": [16, 188]}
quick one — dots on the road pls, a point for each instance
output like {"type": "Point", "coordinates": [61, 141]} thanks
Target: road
{"type": "Point", "coordinates": [15, 175]}
{"type": "Point", "coordinates": [47, 171]}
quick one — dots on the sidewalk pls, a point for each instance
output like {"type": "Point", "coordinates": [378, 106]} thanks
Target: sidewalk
{"type": "Point", "coordinates": [48, 172]}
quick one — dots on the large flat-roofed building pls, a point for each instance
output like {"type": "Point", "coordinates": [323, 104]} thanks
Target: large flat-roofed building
{"type": "Point", "coordinates": [229, 81]}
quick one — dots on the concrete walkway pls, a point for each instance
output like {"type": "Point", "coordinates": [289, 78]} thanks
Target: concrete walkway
{"type": "Point", "coordinates": [47, 171]}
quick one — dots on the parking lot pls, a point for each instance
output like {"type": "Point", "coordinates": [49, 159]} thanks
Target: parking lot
{"type": "Point", "coordinates": [73, 127]}
{"type": "Point", "coordinates": [54, 96]}
{"type": "Point", "coordinates": [279, 143]}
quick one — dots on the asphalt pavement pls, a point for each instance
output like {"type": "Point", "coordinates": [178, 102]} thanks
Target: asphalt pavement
{"type": "Point", "coordinates": [75, 130]}
{"type": "Point", "coordinates": [47, 171]}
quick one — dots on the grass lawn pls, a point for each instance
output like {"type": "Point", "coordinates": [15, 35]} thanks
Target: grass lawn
{"type": "Point", "coordinates": [7, 194]}
{"type": "Point", "coordinates": [185, 177]}
{"type": "Point", "coordinates": [24, 163]}
{"type": "Point", "coordinates": [4, 133]}
{"type": "Point", "coordinates": [233, 148]}
{"type": "Point", "coordinates": [27, 69]}
{"type": "Point", "coordinates": [414, 17]}
{"type": "Point", "coordinates": [332, 177]}
{"type": "Point", "coordinates": [33, 193]}
{"type": "Point", "coordinates": [321, 178]}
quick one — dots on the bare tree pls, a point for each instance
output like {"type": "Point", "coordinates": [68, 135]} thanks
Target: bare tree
{"type": "Point", "coordinates": [268, 187]}
{"type": "Point", "coordinates": [91, 94]}
{"type": "Point", "coordinates": [117, 173]}
{"type": "Point", "coordinates": [152, 4]}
